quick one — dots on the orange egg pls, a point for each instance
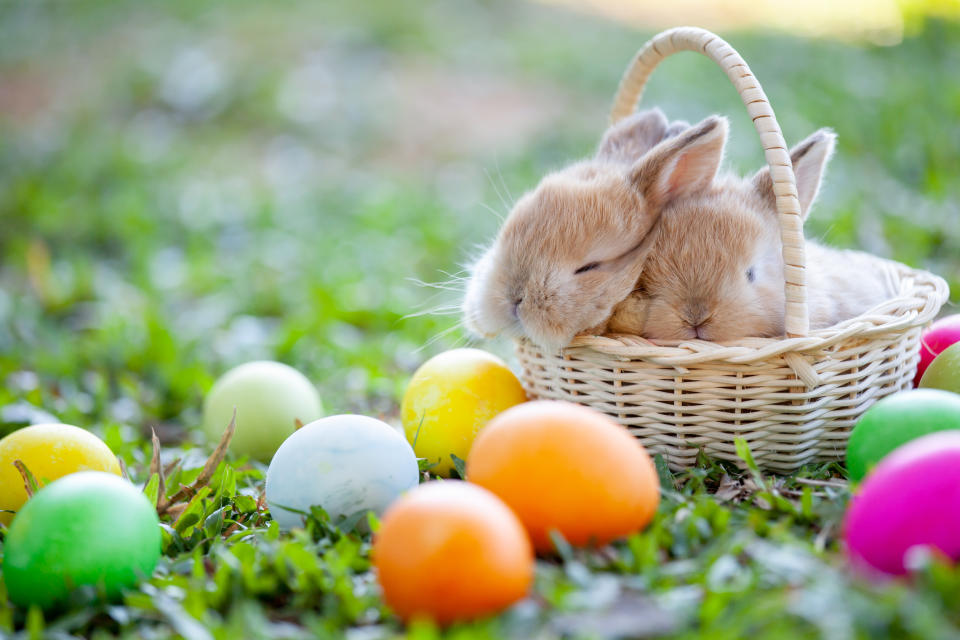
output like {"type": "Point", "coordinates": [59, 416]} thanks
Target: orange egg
{"type": "Point", "coordinates": [566, 467]}
{"type": "Point", "coordinates": [450, 551]}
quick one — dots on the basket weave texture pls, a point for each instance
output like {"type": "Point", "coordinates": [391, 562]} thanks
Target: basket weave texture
{"type": "Point", "coordinates": [794, 400]}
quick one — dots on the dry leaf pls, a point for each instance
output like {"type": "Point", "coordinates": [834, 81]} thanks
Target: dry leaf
{"type": "Point", "coordinates": [167, 470]}
{"type": "Point", "coordinates": [29, 482]}
{"type": "Point", "coordinates": [185, 493]}
{"type": "Point", "coordinates": [729, 489]}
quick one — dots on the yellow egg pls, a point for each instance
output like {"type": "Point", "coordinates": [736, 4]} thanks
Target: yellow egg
{"type": "Point", "coordinates": [450, 398]}
{"type": "Point", "coordinates": [49, 451]}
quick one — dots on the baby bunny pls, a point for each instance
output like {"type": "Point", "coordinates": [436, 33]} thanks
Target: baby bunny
{"type": "Point", "coordinates": [572, 248]}
{"type": "Point", "coordinates": [715, 270]}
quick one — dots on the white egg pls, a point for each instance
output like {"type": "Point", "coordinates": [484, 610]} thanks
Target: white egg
{"type": "Point", "coordinates": [345, 464]}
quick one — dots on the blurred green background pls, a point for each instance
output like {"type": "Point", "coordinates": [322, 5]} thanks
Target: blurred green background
{"type": "Point", "coordinates": [188, 185]}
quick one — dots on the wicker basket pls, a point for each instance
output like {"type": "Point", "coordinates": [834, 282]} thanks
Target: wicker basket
{"type": "Point", "coordinates": [794, 400]}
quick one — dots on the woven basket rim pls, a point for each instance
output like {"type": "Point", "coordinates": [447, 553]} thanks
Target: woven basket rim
{"type": "Point", "coordinates": [922, 295]}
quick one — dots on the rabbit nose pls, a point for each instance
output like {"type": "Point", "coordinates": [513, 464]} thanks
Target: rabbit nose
{"type": "Point", "coordinates": [697, 315]}
{"type": "Point", "coordinates": [516, 308]}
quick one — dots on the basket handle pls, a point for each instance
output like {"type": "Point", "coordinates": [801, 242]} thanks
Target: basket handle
{"type": "Point", "coordinates": [774, 146]}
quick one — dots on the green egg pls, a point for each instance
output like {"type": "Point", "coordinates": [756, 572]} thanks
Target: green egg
{"type": "Point", "coordinates": [896, 420]}
{"type": "Point", "coordinates": [944, 371]}
{"type": "Point", "coordinates": [270, 397]}
{"type": "Point", "coordinates": [88, 528]}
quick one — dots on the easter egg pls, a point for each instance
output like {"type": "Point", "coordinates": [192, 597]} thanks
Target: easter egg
{"type": "Point", "coordinates": [344, 464]}
{"type": "Point", "coordinates": [565, 467]}
{"type": "Point", "coordinates": [270, 397]}
{"type": "Point", "coordinates": [944, 371]}
{"type": "Point", "coordinates": [911, 498]}
{"type": "Point", "coordinates": [450, 398]}
{"type": "Point", "coordinates": [88, 528]}
{"type": "Point", "coordinates": [941, 334]}
{"type": "Point", "coordinates": [49, 451]}
{"type": "Point", "coordinates": [895, 420]}
{"type": "Point", "coordinates": [449, 550]}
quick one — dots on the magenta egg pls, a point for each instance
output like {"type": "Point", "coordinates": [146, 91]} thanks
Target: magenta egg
{"type": "Point", "coordinates": [941, 334]}
{"type": "Point", "coordinates": [911, 498]}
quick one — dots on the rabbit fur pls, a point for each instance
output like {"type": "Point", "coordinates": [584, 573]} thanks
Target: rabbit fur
{"type": "Point", "coordinates": [571, 248]}
{"type": "Point", "coordinates": [715, 271]}
{"type": "Point", "coordinates": [645, 238]}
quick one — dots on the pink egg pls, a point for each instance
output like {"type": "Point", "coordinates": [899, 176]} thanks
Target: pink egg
{"type": "Point", "coordinates": [941, 334]}
{"type": "Point", "coordinates": [912, 497]}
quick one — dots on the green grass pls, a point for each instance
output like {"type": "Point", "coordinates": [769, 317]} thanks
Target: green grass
{"type": "Point", "coordinates": [328, 156]}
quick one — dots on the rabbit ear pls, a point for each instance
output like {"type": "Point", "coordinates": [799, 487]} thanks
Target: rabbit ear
{"type": "Point", "coordinates": [628, 140]}
{"type": "Point", "coordinates": [809, 159]}
{"type": "Point", "coordinates": [676, 128]}
{"type": "Point", "coordinates": [682, 165]}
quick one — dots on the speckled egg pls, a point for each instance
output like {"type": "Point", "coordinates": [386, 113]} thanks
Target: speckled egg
{"type": "Point", "coordinates": [345, 464]}
{"type": "Point", "coordinates": [85, 529]}
{"type": "Point", "coordinates": [270, 397]}
{"type": "Point", "coordinates": [49, 451]}
{"type": "Point", "coordinates": [450, 398]}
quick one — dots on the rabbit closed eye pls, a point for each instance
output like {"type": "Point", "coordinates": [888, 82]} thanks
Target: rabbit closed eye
{"type": "Point", "coordinates": [572, 248]}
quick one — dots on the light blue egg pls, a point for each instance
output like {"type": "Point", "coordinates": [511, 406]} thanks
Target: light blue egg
{"type": "Point", "coordinates": [345, 464]}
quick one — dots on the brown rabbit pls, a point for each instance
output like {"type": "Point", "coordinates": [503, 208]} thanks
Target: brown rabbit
{"type": "Point", "coordinates": [715, 270]}
{"type": "Point", "coordinates": [573, 247]}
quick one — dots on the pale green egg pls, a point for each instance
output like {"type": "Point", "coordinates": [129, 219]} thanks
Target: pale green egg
{"type": "Point", "coordinates": [270, 398]}
{"type": "Point", "coordinates": [944, 371]}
